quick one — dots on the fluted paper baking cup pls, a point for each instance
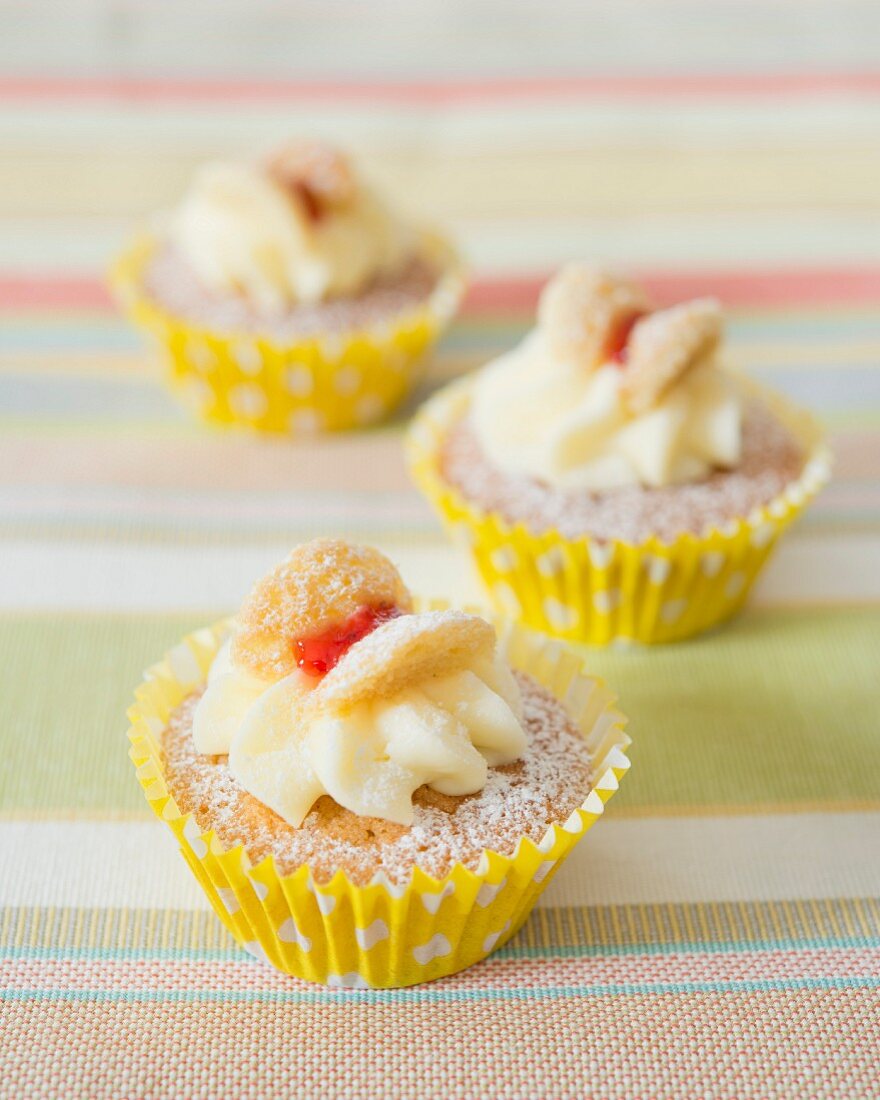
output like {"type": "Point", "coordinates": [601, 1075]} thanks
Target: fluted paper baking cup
{"type": "Point", "coordinates": [322, 382]}
{"type": "Point", "coordinates": [381, 935]}
{"type": "Point", "coordinates": [593, 591]}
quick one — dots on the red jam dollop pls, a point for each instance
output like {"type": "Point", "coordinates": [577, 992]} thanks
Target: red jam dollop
{"type": "Point", "coordinates": [318, 654]}
{"type": "Point", "coordinates": [312, 205]}
{"type": "Point", "coordinates": [617, 345]}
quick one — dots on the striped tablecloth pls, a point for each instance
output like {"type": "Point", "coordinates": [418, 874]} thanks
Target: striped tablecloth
{"type": "Point", "coordinates": [719, 934]}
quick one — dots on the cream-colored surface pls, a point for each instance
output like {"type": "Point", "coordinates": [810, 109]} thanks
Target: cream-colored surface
{"type": "Point", "coordinates": [639, 860]}
{"type": "Point", "coordinates": [240, 231]}
{"type": "Point", "coordinates": [539, 415]}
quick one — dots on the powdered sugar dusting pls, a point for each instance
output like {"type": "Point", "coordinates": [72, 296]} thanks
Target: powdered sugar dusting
{"type": "Point", "coordinates": [403, 651]}
{"type": "Point", "coordinates": [320, 583]}
{"type": "Point", "coordinates": [520, 799]}
{"type": "Point", "coordinates": [581, 309]}
{"type": "Point", "coordinates": [771, 459]}
{"type": "Point", "coordinates": [664, 345]}
{"type": "Point", "coordinates": [172, 284]}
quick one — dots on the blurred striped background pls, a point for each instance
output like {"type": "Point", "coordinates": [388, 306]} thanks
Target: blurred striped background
{"type": "Point", "coordinates": [730, 899]}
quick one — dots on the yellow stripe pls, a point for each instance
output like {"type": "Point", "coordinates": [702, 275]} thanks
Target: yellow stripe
{"type": "Point", "coordinates": [125, 367]}
{"type": "Point", "coordinates": [570, 926]}
{"type": "Point", "coordinates": [582, 182]}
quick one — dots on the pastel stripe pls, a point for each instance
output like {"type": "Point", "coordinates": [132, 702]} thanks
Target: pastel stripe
{"type": "Point", "coordinates": [104, 348]}
{"type": "Point", "coordinates": [691, 761]}
{"type": "Point", "coordinates": [599, 930]}
{"type": "Point", "coordinates": [647, 859]}
{"type": "Point", "coordinates": [64, 244]}
{"type": "Point", "coordinates": [49, 566]}
{"type": "Point", "coordinates": [510, 951]}
{"type": "Point", "coordinates": [440, 92]}
{"type": "Point", "coordinates": [91, 517]}
{"type": "Point", "coordinates": [852, 286]}
{"type": "Point", "coordinates": [763, 174]}
{"type": "Point", "coordinates": [682, 971]}
{"type": "Point", "coordinates": [556, 131]}
{"type": "Point", "coordinates": [769, 288]}
{"type": "Point", "coordinates": [433, 994]}
{"type": "Point", "coordinates": [835, 386]}
{"type": "Point", "coordinates": [761, 1042]}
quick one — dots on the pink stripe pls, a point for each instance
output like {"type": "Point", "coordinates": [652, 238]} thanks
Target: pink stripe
{"type": "Point", "coordinates": [245, 975]}
{"type": "Point", "coordinates": [772, 288]}
{"type": "Point", "coordinates": [52, 292]}
{"type": "Point", "coordinates": [157, 89]}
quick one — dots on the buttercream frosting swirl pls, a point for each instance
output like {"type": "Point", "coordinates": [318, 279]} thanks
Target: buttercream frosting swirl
{"type": "Point", "coordinates": [671, 414]}
{"type": "Point", "coordinates": [295, 739]}
{"type": "Point", "coordinates": [331, 685]}
{"type": "Point", "coordinates": [248, 229]}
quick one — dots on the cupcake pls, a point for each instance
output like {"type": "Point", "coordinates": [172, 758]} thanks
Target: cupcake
{"type": "Point", "coordinates": [611, 476]}
{"type": "Point", "coordinates": [288, 296]}
{"type": "Point", "coordinates": [371, 795]}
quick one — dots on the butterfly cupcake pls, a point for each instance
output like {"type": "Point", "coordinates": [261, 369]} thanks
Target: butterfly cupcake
{"type": "Point", "coordinates": [288, 295]}
{"type": "Point", "coordinates": [371, 793]}
{"type": "Point", "coordinates": [611, 476]}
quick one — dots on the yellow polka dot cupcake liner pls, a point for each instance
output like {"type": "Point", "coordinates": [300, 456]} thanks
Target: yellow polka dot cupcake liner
{"type": "Point", "coordinates": [326, 382]}
{"type": "Point", "coordinates": [599, 592]}
{"type": "Point", "coordinates": [382, 935]}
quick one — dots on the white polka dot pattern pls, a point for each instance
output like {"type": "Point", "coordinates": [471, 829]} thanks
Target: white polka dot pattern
{"type": "Point", "coordinates": [194, 839]}
{"type": "Point", "coordinates": [305, 421]}
{"type": "Point", "coordinates": [488, 892]}
{"type": "Point", "coordinates": [299, 381]}
{"type": "Point", "coordinates": [506, 598]}
{"type": "Point", "coordinates": [601, 554]}
{"type": "Point", "coordinates": [346, 381]}
{"type": "Point", "coordinates": [352, 980]}
{"type": "Point", "coordinates": [247, 356]}
{"type": "Point", "coordinates": [435, 948]}
{"type": "Point", "coordinates": [606, 600]}
{"type": "Point", "coordinates": [326, 902]}
{"type": "Point", "coordinates": [260, 888]}
{"type": "Point", "coordinates": [369, 408]}
{"type": "Point", "coordinates": [255, 948]}
{"type": "Point", "coordinates": [228, 899]}
{"type": "Point", "coordinates": [712, 563]}
{"type": "Point", "coordinates": [432, 902]}
{"type": "Point", "coordinates": [551, 563]}
{"type": "Point", "coordinates": [762, 534]}
{"type": "Point", "coordinates": [658, 568]}
{"type": "Point", "coordinates": [248, 400]}
{"type": "Point", "coordinates": [544, 870]}
{"type": "Point", "coordinates": [503, 559]}
{"type": "Point", "coordinates": [201, 355]}
{"type": "Point", "coordinates": [559, 615]}
{"type": "Point", "coordinates": [493, 938]}
{"type": "Point", "coordinates": [289, 933]}
{"type": "Point", "coordinates": [375, 933]}
{"type": "Point", "coordinates": [672, 610]}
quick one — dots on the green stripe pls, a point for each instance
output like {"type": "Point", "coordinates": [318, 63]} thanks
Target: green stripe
{"type": "Point", "coordinates": [778, 711]}
{"type": "Point", "coordinates": [66, 682]}
{"type": "Point", "coordinates": [430, 994]}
